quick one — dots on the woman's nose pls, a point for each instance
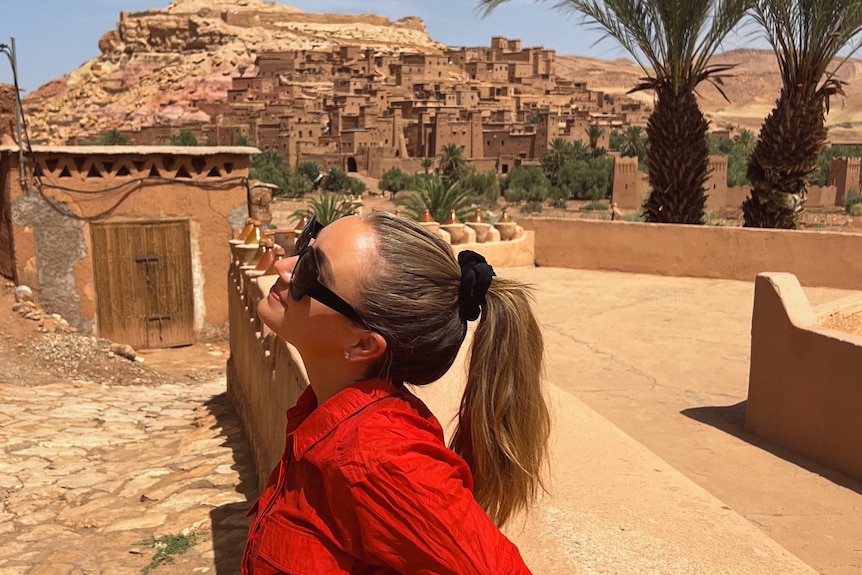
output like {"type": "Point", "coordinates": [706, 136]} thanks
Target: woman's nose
{"type": "Point", "coordinates": [284, 267]}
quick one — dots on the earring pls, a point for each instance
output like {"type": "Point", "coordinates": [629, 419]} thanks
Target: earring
{"type": "Point", "coordinates": [347, 355]}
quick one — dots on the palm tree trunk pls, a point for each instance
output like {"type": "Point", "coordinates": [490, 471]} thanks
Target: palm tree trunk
{"type": "Point", "coordinates": [678, 159]}
{"type": "Point", "coordinates": [785, 155]}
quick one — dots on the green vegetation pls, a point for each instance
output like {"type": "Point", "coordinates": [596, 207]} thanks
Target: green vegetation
{"type": "Point", "coordinates": [825, 157]}
{"type": "Point", "coordinates": [438, 197]}
{"type": "Point", "coordinates": [526, 184]}
{"type": "Point", "coordinates": [587, 179]}
{"type": "Point", "coordinates": [168, 546]}
{"type": "Point", "coordinates": [451, 162]}
{"type": "Point", "coordinates": [184, 138]}
{"type": "Point", "coordinates": [394, 180]}
{"type": "Point", "coordinates": [483, 189]}
{"type": "Point", "coordinates": [112, 138]}
{"type": "Point", "coordinates": [328, 207]}
{"type": "Point", "coordinates": [853, 203]}
{"type": "Point", "coordinates": [426, 164]}
{"type": "Point", "coordinates": [338, 181]}
{"type": "Point", "coordinates": [738, 151]}
{"type": "Point", "coordinates": [594, 206]}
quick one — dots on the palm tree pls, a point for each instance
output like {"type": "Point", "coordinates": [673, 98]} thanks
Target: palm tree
{"type": "Point", "coordinates": [426, 163]}
{"type": "Point", "coordinates": [746, 139]}
{"type": "Point", "coordinates": [806, 35]}
{"type": "Point", "coordinates": [452, 162]}
{"type": "Point", "coordinates": [673, 42]}
{"type": "Point", "coordinates": [595, 133]}
{"type": "Point", "coordinates": [328, 207]}
{"type": "Point", "coordinates": [633, 142]}
{"type": "Point", "coordinates": [557, 154]}
{"type": "Point", "coordinates": [439, 198]}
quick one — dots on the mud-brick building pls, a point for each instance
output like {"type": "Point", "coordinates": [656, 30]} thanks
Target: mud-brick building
{"type": "Point", "coordinates": [127, 242]}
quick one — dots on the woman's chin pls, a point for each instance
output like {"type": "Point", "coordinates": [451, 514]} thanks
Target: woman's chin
{"type": "Point", "coordinates": [267, 314]}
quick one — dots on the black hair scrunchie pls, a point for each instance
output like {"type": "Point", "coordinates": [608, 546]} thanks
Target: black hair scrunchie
{"type": "Point", "coordinates": [476, 276]}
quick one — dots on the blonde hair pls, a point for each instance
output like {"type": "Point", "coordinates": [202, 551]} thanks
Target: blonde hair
{"type": "Point", "coordinates": [503, 421]}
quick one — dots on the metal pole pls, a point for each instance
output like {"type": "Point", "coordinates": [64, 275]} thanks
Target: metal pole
{"type": "Point", "coordinates": [19, 114]}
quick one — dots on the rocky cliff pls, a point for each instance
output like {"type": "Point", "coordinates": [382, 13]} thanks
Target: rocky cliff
{"type": "Point", "coordinates": [172, 65]}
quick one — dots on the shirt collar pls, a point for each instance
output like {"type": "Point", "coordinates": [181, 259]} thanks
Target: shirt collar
{"type": "Point", "coordinates": [314, 423]}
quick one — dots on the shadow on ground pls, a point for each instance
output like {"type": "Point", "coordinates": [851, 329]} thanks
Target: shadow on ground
{"type": "Point", "coordinates": [731, 419]}
{"type": "Point", "coordinates": [229, 523]}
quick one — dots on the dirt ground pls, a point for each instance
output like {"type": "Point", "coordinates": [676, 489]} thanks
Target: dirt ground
{"type": "Point", "coordinates": [29, 337]}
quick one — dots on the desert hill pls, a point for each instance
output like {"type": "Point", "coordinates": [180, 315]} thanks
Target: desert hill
{"type": "Point", "coordinates": [175, 65]}
{"type": "Point", "coordinates": [167, 66]}
{"type": "Point", "coordinates": [752, 88]}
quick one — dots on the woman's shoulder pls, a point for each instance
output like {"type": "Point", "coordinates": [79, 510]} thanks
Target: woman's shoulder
{"type": "Point", "coordinates": [400, 415]}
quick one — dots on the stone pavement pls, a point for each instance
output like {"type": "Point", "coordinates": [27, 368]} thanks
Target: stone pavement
{"type": "Point", "coordinates": [90, 472]}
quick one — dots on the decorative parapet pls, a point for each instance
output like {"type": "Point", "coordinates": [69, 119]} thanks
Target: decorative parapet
{"type": "Point", "coordinates": [805, 387]}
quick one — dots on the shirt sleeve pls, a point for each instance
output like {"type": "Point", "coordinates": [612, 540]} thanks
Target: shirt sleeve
{"type": "Point", "coordinates": [411, 506]}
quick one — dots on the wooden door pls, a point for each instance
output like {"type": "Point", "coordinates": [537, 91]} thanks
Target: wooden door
{"type": "Point", "coordinates": [143, 278]}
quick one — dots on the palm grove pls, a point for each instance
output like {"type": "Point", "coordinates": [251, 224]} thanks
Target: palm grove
{"type": "Point", "coordinates": [673, 41]}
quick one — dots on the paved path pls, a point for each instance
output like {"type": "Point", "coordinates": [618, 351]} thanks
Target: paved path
{"type": "Point", "coordinates": [89, 472]}
{"type": "Point", "coordinates": [666, 360]}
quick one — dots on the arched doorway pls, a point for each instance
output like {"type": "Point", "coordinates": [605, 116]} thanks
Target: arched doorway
{"type": "Point", "coordinates": [351, 164]}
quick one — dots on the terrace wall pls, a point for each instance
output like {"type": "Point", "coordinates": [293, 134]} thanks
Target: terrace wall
{"type": "Point", "coordinates": [804, 387]}
{"type": "Point", "coordinates": [826, 259]}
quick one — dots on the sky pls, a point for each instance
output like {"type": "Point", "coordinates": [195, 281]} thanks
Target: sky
{"type": "Point", "coordinates": [54, 37]}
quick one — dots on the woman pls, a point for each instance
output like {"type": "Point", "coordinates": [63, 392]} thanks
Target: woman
{"type": "Point", "coordinates": [366, 484]}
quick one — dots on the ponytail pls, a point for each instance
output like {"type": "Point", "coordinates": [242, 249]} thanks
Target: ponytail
{"type": "Point", "coordinates": [419, 299]}
{"type": "Point", "coordinates": [503, 421]}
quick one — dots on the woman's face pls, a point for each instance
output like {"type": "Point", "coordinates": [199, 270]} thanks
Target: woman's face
{"type": "Point", "coordinates": [343, 249]}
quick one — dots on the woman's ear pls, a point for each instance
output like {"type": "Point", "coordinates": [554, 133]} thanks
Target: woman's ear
{"type": "Point", "coordinates": [368, 347]}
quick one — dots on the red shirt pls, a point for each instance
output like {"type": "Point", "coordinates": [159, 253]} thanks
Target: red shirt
{"type": "Point", "coordinates": [367, 486]}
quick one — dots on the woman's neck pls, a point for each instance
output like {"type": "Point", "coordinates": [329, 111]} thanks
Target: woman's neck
{"type": "Point", "coordinates": [327, 378]}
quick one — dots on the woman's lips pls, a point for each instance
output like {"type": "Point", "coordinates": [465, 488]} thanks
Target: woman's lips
{"type": "Point", "coordinates": [273, 293]}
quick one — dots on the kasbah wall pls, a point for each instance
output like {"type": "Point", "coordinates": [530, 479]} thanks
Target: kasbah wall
{"type": "Point", "coordinates": [50, 217]}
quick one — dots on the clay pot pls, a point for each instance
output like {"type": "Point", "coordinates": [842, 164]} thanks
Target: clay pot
{"type": "Point", "coordinates": [481, 229]}
{"type": "Point", "coordinates": [507, 230]}
{"type": "Point", "coordinates": [243, 253]}
{"type": "Point", "coordinates": [456, 232]}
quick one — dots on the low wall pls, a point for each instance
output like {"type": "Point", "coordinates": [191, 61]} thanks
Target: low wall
{"type": "Point", "coordinates": [805, 387]}
{"type": "Point", "coordinates": [265, 376]}
{"type": "Point", "coordinates": [825, 259]}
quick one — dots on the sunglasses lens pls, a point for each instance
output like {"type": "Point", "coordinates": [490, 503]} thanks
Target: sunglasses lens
{"type": "Point", "coordinates": [308, 233]}
{"type": "Point", "coordinates": [304, 275]}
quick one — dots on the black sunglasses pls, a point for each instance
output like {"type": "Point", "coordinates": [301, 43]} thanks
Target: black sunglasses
{"type": "Point", "coordinates": [306, 272]}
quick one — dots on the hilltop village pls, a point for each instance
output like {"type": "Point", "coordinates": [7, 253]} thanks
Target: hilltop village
{"type": "Point", "coordinates": [362, 109]}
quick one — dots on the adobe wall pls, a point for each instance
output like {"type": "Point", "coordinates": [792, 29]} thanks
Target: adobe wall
{"type": "Point", "coordinates": [804, 387]}
{"type": "Point", "coordinates": [824, 259]}
{"type": "Point", "coordinates": [79, 185]}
